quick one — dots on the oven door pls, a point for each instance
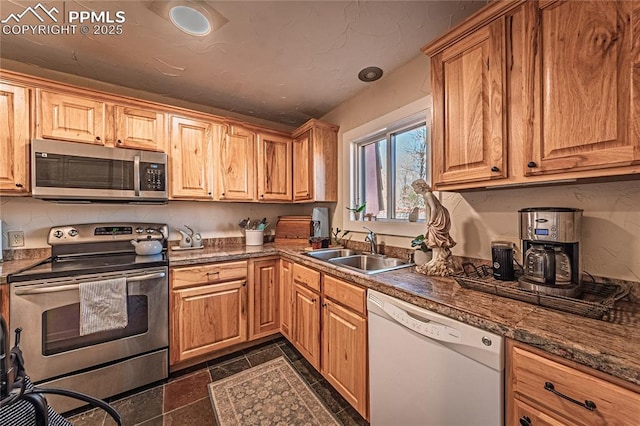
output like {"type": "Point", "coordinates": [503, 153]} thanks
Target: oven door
{"type": "Point", "coordinates": [48, 311]}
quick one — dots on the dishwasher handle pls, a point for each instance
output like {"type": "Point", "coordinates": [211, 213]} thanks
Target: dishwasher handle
{"type": "Point", "coordinates": [424, 326]}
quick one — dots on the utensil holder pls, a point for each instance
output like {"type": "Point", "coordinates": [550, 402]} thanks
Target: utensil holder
{"type": "Point", "coordinates": [254, 237]}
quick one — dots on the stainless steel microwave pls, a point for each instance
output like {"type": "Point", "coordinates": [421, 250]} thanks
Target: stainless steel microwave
{"type": "Point", "coordinates": [78, 172]}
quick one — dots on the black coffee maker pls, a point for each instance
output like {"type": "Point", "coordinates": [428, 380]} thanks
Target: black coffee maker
{"type": "Point", "coordinates": [551, 249]}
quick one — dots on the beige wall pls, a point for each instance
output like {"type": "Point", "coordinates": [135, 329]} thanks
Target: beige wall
{"type": "Point", "coordinates": [611, 231]}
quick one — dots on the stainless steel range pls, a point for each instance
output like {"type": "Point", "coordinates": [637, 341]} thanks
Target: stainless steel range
{"type": "Point", "coordinates": [46, 302]}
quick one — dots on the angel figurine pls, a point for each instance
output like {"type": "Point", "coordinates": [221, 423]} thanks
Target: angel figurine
{"type": "Point", "coordinates": [437, 236]}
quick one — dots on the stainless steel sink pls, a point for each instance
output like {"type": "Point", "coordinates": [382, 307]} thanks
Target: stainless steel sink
{"type": "Point", "coordinates": [327, 254]}
{"type": "Point", "coordinates": [370, 264]}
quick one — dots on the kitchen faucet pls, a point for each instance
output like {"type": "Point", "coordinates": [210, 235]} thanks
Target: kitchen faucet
{"type": "Point", "coordinates": [371, 239]}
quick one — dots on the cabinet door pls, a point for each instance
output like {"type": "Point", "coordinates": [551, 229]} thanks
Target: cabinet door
{"type": "Point", "coordinates": [306, 324]}
{"type": "Point", "coordinates": [344, 353]}
{"type": "Point", "coordinates": [585, 107]}
{"type": "Point", "coordinates": [264, 298]}
{"type": "Point", "coordinates": [14, 134]}
{"type": "Point", "coordinates": [302, 168]}
{"type": "Point", "coordinates": [526, 415]}
{"type": "Point", "coordinates": [191, 158]}
{"type": "Point", "coordinates": [71, 118]}
{"type": "Point", "coordinates": [469, 124]}
{"type": "Point", "coordinates": [140, 129]}
{"type": "Point", "coordinates": [208, 318]}
{"type": "Point", "coordinates": [236, 157]}
{"type": "Point", "coordinates": [286, 296]}
{"type": "Point", "coordinates": [274, 168]}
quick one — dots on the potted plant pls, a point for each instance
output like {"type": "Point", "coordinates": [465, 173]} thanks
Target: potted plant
{"type": "Point", "coordinates": [338, 235]}
{"type": "Point", "coordinates": [316, 242]}
{"type": "Point", "coordinates": [357, 211]}
{"type": "Point", "coordinates": [423, 253]}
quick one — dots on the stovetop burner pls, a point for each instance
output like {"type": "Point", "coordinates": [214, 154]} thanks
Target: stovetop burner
{"type": "Point", "coordinates": [94, 248]}
{"type": "Point", "coordinates": [56, 267]}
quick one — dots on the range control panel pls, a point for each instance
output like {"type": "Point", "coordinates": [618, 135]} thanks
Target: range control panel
{"type": "Point", "coordinates": [106, 232]}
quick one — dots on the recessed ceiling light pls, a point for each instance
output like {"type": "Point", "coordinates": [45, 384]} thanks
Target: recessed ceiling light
{"type": "Point", "coordinates": [370, 74]}
{"type": "Point", "coordinates": [190, 20]}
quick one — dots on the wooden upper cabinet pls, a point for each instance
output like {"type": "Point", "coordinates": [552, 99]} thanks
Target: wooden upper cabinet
{"type": "Point", "coordinates": [469, 116]}
{"type": "Point", "coordinates": [302, 177]}
{"type": "Point", "coordinates": [585, 107]}
{"type": "Point", "coordinates": [315, 162]}
{"type": "Point", "coordinates": [236, 159]}
{"type": "Point", "coordinates": [275, 166]}
{"type": "Point", "coordinates": [14, 138]}
{"type": "Point", "coordinates": [72, 118]}
{"type": "Point", "coordinates": [139, 128]}
{"type": "Point", "coordinates": [191, 157]}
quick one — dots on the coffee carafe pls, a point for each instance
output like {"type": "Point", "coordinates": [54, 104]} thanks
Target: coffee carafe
{"type": "Point", "coordinates": [547, 264]}
{"type": "Point", "coordinates": [551, 250]}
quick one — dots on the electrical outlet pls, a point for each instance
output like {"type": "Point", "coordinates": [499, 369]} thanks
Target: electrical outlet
{"type": "Point", "coordinates": [16, 238]}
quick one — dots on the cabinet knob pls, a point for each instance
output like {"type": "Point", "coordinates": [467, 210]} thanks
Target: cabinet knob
{"type": "Point", "coordinates": [261, 195]}
{"type": "Point", "coordinates": [313, 300]}
{"type": "Point", "coordinates": [222, 194]}
{"type": "Point", "coordinates": [532, 164]}
{"type": "Point", "coordinates": [19, 185]}
{"type": "Point", "coordinates": [308, 195]}
{"type": "Point", "coordinates": [495, 169]}
{"type": "Point", "coordinates": [525, 421]}
{"type": "Point", "coordinates": [120, 141]}
{"type": "Point", "coordinates": [208, 193]}
{"type": "Point", "coordinates": [97, 138]}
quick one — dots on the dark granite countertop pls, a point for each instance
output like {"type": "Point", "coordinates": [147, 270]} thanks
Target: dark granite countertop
{"type": "Point", "coordinates": [603, 345]}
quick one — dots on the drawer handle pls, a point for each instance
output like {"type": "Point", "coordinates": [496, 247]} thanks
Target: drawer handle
{"type": "Point", "coordinates": [216, 274]}
{"type": "Point", "coordinates": [589, 405]}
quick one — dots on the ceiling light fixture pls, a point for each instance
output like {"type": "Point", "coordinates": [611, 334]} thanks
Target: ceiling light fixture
{"type": "Point", "coordinates": [194, 17]}
{"type": "Point", "coordinates": [190, 20]}
{"type": "Point", "coordinates": [370, 74]}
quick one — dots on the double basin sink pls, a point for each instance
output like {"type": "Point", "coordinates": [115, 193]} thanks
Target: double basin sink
{"type": "Point", "coordinates": [364, 263]}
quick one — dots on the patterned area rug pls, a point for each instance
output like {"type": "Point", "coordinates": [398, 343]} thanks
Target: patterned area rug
{"type": "Point", "coordinates": [269, 394]}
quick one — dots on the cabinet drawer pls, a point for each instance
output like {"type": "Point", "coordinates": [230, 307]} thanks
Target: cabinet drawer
{"type": "Point", "coordinates": [349, 295]}
{"type": "Point", "coordinates": [306, 276]}
{"type": "Point", "coordinates": [613, 404]}
{"type": "Point", "coordinates": [217, 272]}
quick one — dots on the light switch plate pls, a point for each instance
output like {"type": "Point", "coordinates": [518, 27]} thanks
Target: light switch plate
{"type": "Point", "coordinates": [16, 238]}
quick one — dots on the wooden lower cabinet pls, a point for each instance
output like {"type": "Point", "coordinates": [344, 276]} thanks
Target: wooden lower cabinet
{"type": "Point", "coordinates": [264, 297]}
{"type": "Point", "coordinates": [306, 323]}
{"type": "Point", "coordinates": [206, 316]}
{"type": "Point", "coordinates": [537, 382]}
{"type": "Point", "coordinates": [329, 328]}
{"type": "Point", "coordinates": [286, 297]}
{"type": "Point", "coordinates": [344, 353]}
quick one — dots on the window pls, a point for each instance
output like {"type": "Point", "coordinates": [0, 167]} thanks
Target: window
{"type": "Point", "coordinates": [387, 162]}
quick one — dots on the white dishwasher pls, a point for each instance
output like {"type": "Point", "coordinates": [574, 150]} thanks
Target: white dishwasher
{"type": "Point", "coordinates": [430, 370]}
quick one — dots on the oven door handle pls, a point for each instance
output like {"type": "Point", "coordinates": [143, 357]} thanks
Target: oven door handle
{"type": "Point", "coordinates": [56, 289]}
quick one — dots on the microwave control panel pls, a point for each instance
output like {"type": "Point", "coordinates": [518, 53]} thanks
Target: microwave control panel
{"type": "Point", "coordinates": [153, 177]}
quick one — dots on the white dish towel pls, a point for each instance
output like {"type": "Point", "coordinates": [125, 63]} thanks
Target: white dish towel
{"type": "Point", "coordinates": [103, 305]}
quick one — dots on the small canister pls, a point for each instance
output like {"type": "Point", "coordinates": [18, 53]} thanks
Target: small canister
{"type": "Point", "coordinates": [502, 260]}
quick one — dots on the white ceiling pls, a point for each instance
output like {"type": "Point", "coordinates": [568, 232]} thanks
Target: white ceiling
{"type": "Point", "coordinates": [283, 61]}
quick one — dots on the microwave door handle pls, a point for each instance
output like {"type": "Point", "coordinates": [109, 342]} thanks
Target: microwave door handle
{"type": "Point", "coordinates": [59, 288]}
{"type": "Point", "coordinates": [136, 175]}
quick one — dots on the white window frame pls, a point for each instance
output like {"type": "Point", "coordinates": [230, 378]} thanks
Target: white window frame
{"type": "Point", "coordinates": [419, 110]}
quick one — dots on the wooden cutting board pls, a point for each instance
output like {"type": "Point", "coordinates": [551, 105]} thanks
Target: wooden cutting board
{"type": "Point", "coordinates": [294, 229]}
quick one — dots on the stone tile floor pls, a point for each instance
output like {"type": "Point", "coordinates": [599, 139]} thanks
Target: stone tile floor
{"type": "Point", "coordinates": [183, 400]}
